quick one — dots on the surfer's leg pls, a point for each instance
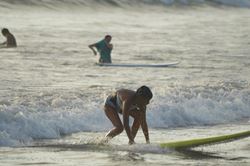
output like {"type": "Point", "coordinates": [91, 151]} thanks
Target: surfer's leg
{"type": "Point", "coordinates": [115, 119]}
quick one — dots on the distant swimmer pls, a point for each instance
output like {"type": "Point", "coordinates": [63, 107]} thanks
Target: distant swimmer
{"type": "Point", "coordinates": [11, 41]}
{"type": "Point", "coordinates": [104, 47]}
{"type": "Point", "coordinates": [128, 103]}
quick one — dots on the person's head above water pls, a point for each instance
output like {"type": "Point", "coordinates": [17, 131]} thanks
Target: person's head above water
{"type": "Point", "coordinates": [143, 95]}
{"type": "Point", "coordinates": [5, 31]}
{"type": "Point", "coordinates": [108, 38]}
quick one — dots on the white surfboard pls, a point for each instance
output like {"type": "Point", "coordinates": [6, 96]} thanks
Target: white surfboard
{"type": "Point", "coordinates": [138, 65]}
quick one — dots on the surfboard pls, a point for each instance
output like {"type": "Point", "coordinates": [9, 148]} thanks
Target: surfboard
{"type": "Point", "coordinates": [178, 145]}
{"type": "Point", "coordinates": [171, 64]}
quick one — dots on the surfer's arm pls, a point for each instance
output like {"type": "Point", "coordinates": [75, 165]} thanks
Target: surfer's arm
{"type": "Point", "coordinates": [91, 46]}
{"type": "Point", "coordinates": [109, 45]}
{"type": "Point", "coordinates": [135, 127]}
{"type": "Point", "coordinates": [125, 112]}
{"type": "Point", "coordinates": [144, 124]}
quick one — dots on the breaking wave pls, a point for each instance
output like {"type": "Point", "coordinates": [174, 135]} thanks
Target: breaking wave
{"type": "Point", "coordinates": [118, 3]}
{"type": "Point", "coordinates": [52, 116]}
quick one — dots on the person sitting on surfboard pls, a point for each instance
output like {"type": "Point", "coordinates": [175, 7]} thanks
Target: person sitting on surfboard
{"type": "Point", "coordinates": [128, 103]}
{"type": "Point", "coordinates": [11, 41]}
{"type": "Point", "coordinates": [104, 47]}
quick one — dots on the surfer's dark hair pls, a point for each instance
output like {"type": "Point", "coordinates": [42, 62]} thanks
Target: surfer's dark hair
{"type": "Point", "coordinates": [144, 91]}
{"type": "Point", "coordinates": [108, 36]}
{"type": "Point", "coordinates": [5, 31]}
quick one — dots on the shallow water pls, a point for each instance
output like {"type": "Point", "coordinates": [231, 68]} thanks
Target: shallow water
{"type": "Point", "coordinates": [82, 148]}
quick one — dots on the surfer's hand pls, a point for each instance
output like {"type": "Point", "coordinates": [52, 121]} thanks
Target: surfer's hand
{"type": "Point", "coordinates": [131, 142]}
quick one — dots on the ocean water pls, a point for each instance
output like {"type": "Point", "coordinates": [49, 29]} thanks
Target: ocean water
{"type": "Point", "coordinates": [50, 87]}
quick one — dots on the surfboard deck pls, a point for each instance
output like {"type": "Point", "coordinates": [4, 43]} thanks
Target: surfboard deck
{"type": "Point", "coordinates": [137, 65]}
{"type": "Point", "coordinates": [205, 141]}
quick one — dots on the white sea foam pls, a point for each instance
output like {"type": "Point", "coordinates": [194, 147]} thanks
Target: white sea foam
{"type": "Point", "coordinates": [20, 124]}
{"type": "Point", "coordinates": [177, 107]}
{"type": "Point", "coordinates": [199, 106]}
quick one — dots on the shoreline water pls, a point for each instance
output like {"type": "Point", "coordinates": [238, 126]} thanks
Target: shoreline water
{"type": "Point", "coordinates": [77, 148]}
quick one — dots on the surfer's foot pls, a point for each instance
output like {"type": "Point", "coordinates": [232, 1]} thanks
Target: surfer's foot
{"type": "Point", "coordinates": [105, 140]}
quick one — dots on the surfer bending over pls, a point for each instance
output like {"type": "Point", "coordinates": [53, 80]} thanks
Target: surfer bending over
{"type": "Point", "coordinates": [11, 41]}
{"type": "Point", "coordinates": [128, 103]}
{"type": "Point", "coordinates": [104, 47]}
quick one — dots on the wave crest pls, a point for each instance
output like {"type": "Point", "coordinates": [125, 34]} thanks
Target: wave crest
{"type": "Point", "coordinates": [52, 116]}
{"type": "Point", "coordinates": [117, 3]}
